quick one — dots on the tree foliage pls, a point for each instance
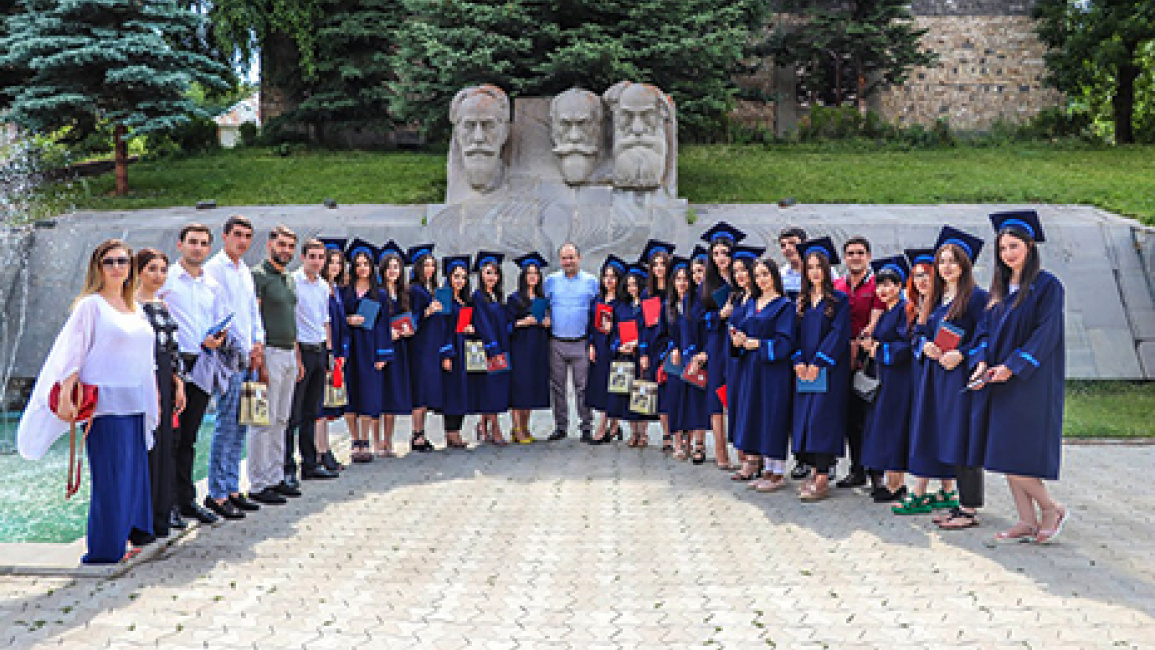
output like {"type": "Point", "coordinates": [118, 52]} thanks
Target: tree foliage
{"type": "Point", "coordinates": [1097, 51]}
{"type": "Point", "coordinates": [847, 51]}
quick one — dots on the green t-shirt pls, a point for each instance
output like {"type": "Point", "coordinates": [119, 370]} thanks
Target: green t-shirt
{"type": "Point", "coordinates": [277, 295]}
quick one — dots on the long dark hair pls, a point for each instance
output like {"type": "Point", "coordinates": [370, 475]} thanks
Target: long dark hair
{"type": "Point", "coordinates": [673, 300]}
{"type": "Point", "coordinates": [966, 285]}
{"type": "Point", "coordinates": [751, 290]}
{"type": "Point", "coordinates": [402, 291]}
{"type": "Point", "coordinates": [523, 288]}
{"type": "Point", "coordinates": [342, 275]}
{"type": "Point", "coordinates": [462, 296]}
{"type": "Point", "coordinates": [498, 295]}
{"type": "Point", "coordinates": [417, 273]}
{"type": "Point", "coordinates": [652, 287]}
{"type": "Point", "coordinates": [914, 299]}
{"type": "Point", "coordinates": [714, 278]}
{"type": "Point", "coordinates": [374, 285]}
{"type": "Point", "coordinates": [775, 275]}
{"type": "Point", "coordinates": [807, 286]}
{"type": "Point", "coordinates": [641, 289]}
{"type": "Point", "coordinates": [1001, 280]}
{"type": "Point", "coordinates": [619, 288]}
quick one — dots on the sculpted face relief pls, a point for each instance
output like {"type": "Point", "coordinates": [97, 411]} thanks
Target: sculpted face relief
{"type": "Point", "coordinates": [480, 117]}
{"type": "Point", "coordinates": [641, 114]}
{"type": "Point", "coordinates": [576, 129]}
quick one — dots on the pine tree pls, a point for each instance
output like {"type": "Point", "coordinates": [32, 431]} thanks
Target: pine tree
{"type": "Point", "coordinates": [10, 76]}
{"type": "Point", "coordinates": [118, 61]}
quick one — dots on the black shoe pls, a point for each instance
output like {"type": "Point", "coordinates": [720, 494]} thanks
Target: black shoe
{"type": "Point", "coordinates": [138, 537]}
{"type": "Point", "coordinates": [268, 496]}
{"type": "Point", "coordinates": [225, 508]}
{"type": "Point", "coordinates": [800, 471]}
{"type": "Point", "coordinates": [419, 443]}
{"type": "Point", "coordinates": [852, 480]}
{"type": "Point", "coordinates": [590, 440]}
{"type": "Point", "coordinates": [587, 436]}
{"type": "Point", "coordinates": [287, 489]}
{"type": "Point", "coordinates": [175, 520]}
{"type": "Point", "coordinates": [243, 504]}
{"type": "Point", "coordinates": [194, 511]}
{"type": "Point", "coordinates": [330, 462]}
{"type": "Point", "coordinates": [558, 435]}
{"type": "Point", "coordinates": [317, 472]}
{"type": "Point", "coordinates": [886, 496]}
{"type": "Point", "coordinates": [291, 481]}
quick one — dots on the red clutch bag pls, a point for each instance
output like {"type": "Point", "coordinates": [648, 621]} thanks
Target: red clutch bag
{"type": "Point", "coordinates": [83, 395]}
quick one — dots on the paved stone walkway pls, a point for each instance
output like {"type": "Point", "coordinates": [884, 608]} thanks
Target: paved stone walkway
{"type": "Point", "coordinates": [560, 545]}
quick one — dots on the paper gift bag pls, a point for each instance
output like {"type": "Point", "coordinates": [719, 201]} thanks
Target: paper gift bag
{"type": "Point", "coordinates": [475, 359]}
{"type": "Point", "coordinates": [621, 377]}
{"type": "Point", "coordinates": [254, 410]}
{"type": "Point", "coordinates": [644, 397]}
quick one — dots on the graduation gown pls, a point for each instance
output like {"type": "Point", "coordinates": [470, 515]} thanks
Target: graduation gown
{"type": "Point", "coordinates": [597, 395]}
{"type": "Point", "coordinates": [733, 361]}
{"type": "Point", "coordinates": [618, 405]}
{"type": "Point", "coordinates": [689, 408]}
{"type": "Point", "coordinates": [455, 382]}
{"type": "Point", "coordinates": [654, 342]}
{"type": "Point", "coordinates": [761, 392]}
{"type": "Point", "coordinates": [489, 392]}
{"type": "Point", "coordinates": [940, 416]}
{"type": "Point", "coordinates": [820, 418]}
{"type": "Point", "coordinates": [886, 445]}
{"type": "Point", "coordinates": [397, 393]}
{"type": "Point", "coordinates": [718, 351]}
{"type": "Point", "coordinates": [367, 346]}
{"type": "Point", "coordinates": [424, 349]}
{"type": "Point", "coordinates": [1022, 419]}
{"type": "Point", "coordinates": [339, 332]}
{"type": "Point", "coordinates": [529, 359]}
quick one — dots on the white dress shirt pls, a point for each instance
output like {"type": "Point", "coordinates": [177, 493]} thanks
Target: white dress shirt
{"type": "Point", "coordinates": [312, 308]}
{"type": "Point", "coordinates": [240, 296]}
{"type": "Point", "coordinates": [196, 304]}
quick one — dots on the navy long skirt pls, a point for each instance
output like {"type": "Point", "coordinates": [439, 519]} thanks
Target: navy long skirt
{"type": "Point", "coordinates": [118, 463]}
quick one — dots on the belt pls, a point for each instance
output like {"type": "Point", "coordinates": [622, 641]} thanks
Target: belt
{"type": "Point", "coordinates": [312, 347]}
{"type": "Point", "coordinates": [287, 348]}
{"type": "Point", "coordinates": [568, 339]}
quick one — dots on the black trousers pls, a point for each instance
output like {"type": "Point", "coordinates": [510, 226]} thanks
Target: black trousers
{"type": "Point", "coordinates": [307, 397]}
{"type": "Point", "coordinates": [971, 488]}
{"type": "Point", "coordinates": [856, 411]}
{"type": "Point", "coordinates": [452, 422]}
{"type": "Point", "coordinates": [184, 444]}
{"type": "Point", "coordinates": [162, 457]}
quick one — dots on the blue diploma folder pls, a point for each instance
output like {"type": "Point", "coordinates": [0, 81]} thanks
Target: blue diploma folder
{"type": "Point", "coordinates": [537, 308]}
{"type": "Point", "coordinates": [816, 386]}
{"type": "Point", "coordinates": [220, 327]}
{"type": "Point", "coordinates": [368, 308]}
{"type": "Point", "coordinates": [444, 295]}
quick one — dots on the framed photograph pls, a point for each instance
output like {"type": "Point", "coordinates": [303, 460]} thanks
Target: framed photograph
{"type": "Point", "coordinates": [475, 359]}
{"type": "Point", "coordinates": [644, 397]}
{"type": "Point", "coordinates": [621, 377]}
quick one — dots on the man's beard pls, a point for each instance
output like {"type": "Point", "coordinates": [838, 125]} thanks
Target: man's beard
{"type": "Point", "coordinates": [640, 162]}
{"type": "Point", "coordinates": [480, 168]}
{"type": "Point", "coordinates": [576, 160]}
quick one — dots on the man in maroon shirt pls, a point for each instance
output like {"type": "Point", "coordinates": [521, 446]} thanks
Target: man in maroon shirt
{"type": "Point", "coordinates": [865, 308]}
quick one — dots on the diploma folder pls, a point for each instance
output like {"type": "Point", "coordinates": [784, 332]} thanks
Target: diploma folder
{"type": "Point", "coordinates": [538, 308]}
{"type": "Point", "coordinates": [368, 309]}
{"type": "Point", "coordinates": [444, 295]}
{"type": "Point", "coordinates": [652, 310]}
{"type": "Point", "coordinates": [220, 327]}
{"type": "Point", "coordinates": [402, 324]}
{"type": "Point", "coordinates": [464, 317]}
{"type": "Point", "coordinates": [628, 331]}
{"type": "Point", "coordinates": [948, 337]}
{"type": "Point", "coordinates": [816, 386]}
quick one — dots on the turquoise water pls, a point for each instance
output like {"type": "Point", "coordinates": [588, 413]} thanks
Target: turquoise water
{"type": "Point", "coordinates": [32, 503]}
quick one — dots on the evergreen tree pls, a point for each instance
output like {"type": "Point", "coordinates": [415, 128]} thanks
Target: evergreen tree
{"type": "Point", "coordinates": [106, 60]}
{"type": "Point", "coordinates": [845, 51]}
{"type": "Point", "coordinates": [691, 49]}
{"type": "Point", "coordinates": [10, 76]}
{"type": "Point", "coordinates": [1098, 44]}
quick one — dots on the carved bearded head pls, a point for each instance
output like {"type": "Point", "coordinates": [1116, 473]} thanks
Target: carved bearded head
{"type": "Point", "coordinates": [480, 117]}
{"type": "Point", "coordinates": [575, 118]}
{"type": "Point", "coordinates": [641, 115]}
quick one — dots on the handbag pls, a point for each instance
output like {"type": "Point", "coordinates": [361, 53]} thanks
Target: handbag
{"type": "Point", "coordinates": [336, 395]}
{"type": "Point", "coordinates": [254, 408]}
{"type": "Point", "coordinates": [84, 396]}
{"type": "Point", "coordinates": [621, 377]}
{"type": "Point", "coordinates": [865, 382]}
{"type": "Point", "coordinates": [644, 397]}
{"type": "Point", "coordinates": [475, 359]}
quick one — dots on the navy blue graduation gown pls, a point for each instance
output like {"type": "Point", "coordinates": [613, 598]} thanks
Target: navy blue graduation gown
{"type": "Point", "coordinates": [529, 359]}
{"type": "Point", "coordinates": [597, 395]}
{"type": "Point", "coordinates": [820, 418]}
{"type": "Point", "coordinates": [940, 414]}
{"type": "Point", "coordinates": [455, 381]}
{"type": "Point", "coordinates": [655, 344]}
{"type": "Point", "coordinates": [618, 405]}
{"type": "Point", "coordinates": [761, 386]}
{"type": "Point", "coordinates": [1023, 423]}
{"type": "Point", "coordinates": [367, 346]}
{"type": "Point", "coordinates": [339, 332]}
{"type": "Point", "coordinates": [718, 351]}
{"type": "Point", "coordinates": [424, 347]}
{"type": "Point", "coordinates": [733, 355]}
{"type": "Point", "coordinates": [396, 383]}
{"type": "Point", "coordinates": [886, 445]}
{"type": "Point", "coordinates": [489, 392]}
{"type": "Point", "coordinates": [689, 408]}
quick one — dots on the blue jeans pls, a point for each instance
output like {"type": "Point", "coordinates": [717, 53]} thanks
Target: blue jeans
{"type": "Point", "coordinates": [228, 442]}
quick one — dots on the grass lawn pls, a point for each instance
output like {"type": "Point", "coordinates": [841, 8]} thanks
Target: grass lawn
{"type": "Point", "coordinates": [1117, 179]}
{"type": "Point", "coordinates": [1109, 409]}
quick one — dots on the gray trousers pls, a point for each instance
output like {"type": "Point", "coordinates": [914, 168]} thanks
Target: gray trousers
{"type": "Point", "coordinates": [566, 357]}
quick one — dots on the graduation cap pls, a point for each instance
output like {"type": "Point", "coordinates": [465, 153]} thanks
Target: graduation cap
{"type": "Point", "coordinates": [970, 244]}
{"type": "Point", "coordinates": [896, 265]}
{"type": "Point", "coordinates": [530, 259]}
{"type": "Point", "coordinates": [676, 262]}
{"type": "Point", "coordinates": [699, 251]}
{"type": "Point", "coordinates": [415, 252]}
{"type": "Point", "coordinates": [653, 247]}
{"type": "Point", "coordinates": [638, 270]}
{"type": "Point", "coordinates": [453, 261]}
{"type": "Point", "coordinates": [361, 246]}
{"type": "Point", "coordinates": [749, 252]}
{"type": "Point", "coordinates": [918, 256]}
{"type": "Point", "coordinates": [821, 245]}
{"type": "Point", "coordinates": [391, 248]}
{"type": "Point", "coordinates": [1026, 221]}
{"type": "Point", "coordinates": [487, 257]}
{"type": "Point", "coordinates": [616, 262]}
{"type": "Point", "coordinates": [723, 230]}
{"type": "Point", "coordinates": [333, 243]}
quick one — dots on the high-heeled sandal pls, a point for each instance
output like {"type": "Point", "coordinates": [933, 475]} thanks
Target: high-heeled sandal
{"type": "Point", "coordinates": [667, 444]}
{"type": "Point", "coordinates": [699, 455]}
{"type": "Point", "coordinates": [418, 442]}
{"type": "Point", "coordinates": [749, 471]}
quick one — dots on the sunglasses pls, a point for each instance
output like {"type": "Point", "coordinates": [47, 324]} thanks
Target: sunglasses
{"type": "Point", "coordinates": [115, 261]}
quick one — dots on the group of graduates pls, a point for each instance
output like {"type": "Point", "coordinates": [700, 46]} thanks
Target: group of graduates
{"type": "Point", "coordinates": [951, 379]}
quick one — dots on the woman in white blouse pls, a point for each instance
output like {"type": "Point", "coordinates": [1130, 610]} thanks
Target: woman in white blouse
{"type": "Point", "coordinates": [106, 342]}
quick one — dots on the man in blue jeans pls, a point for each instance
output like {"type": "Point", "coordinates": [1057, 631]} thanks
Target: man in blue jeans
{"type": "Point", "coordinates": [570, 292]}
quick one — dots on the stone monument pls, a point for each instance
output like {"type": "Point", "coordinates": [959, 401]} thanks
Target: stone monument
{"type": "Point", "coordinates": [480, 118]}
{"type": "Point", "coordinates": [575, 121]}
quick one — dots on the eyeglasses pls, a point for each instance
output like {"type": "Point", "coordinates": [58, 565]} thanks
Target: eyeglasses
{"type": "Point", "coordinates": [115, 261]}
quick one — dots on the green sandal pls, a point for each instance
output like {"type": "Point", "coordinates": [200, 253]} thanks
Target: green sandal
{"type": "Point", "coordinates": [913, 504]}
{"type": "Point", "coordinates": [943, 500]}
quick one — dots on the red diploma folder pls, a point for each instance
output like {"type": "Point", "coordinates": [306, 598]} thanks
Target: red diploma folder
{"type": "Point", "coordinates": [628, 331]}
{"type": "Point", "coordinates": [697, 377]}
{"type": "Point", "coordinates": [402, 324]}
{"type": "Point", "coordinates": [497, 363]}
{"type": "Point", "coordinates": [652, 310]}
{"type": "Point", "coordinates": [722, 394]}
{"type": "Point", "coordinates": [604, 318]}
{"type": "Point", "coordinates": [464, 317]}
{"type": "Point", "coordinates": [948, 337]}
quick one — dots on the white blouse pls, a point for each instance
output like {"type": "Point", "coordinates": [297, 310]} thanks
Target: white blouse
{"type": "Point", "coordinates": [111, 350]}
